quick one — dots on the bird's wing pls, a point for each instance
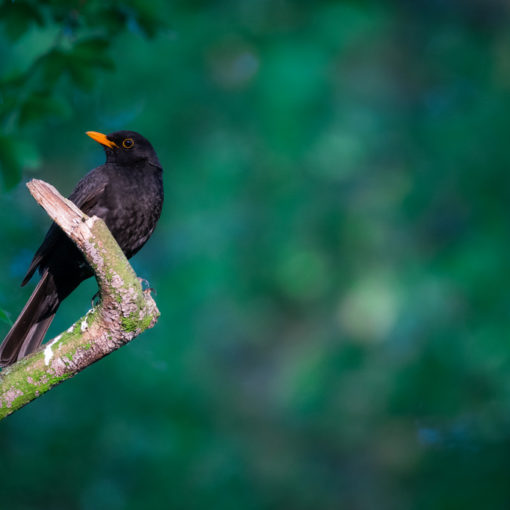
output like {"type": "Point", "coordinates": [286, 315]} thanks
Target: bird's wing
{"type": "Point", "coordinates": [89, 191]}
{"type": "Point", "coordinates": [86, 196]}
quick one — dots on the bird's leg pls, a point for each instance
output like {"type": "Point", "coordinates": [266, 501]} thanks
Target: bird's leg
{"type": "Point", "coordinates": [146, 286]}
{"type": "Point", "coordinates": [96, 298]}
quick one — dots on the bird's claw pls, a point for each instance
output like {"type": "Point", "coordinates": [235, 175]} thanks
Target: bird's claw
{"type": "Point", "coordinates": [146, 286]}
{"type": "Point", "coordinates": [96, 298]}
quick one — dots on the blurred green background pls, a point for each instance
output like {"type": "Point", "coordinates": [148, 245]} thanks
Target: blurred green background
{"type": "Point", "coordinates": [331, 264]}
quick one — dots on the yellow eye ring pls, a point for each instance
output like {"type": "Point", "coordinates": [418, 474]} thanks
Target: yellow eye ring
{"type": "Point", "coordinates": [128, 143]}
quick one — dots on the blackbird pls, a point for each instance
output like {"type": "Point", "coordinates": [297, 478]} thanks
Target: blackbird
{"type": "Point", "coordinates": [127, 193]}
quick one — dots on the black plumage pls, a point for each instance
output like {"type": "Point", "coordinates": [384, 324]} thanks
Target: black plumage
{"type": "Point", "coordinates": [127, 193]}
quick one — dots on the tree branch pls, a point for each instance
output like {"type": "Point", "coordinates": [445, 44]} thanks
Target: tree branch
{"type": "Point", "coordinates": [124, 311]}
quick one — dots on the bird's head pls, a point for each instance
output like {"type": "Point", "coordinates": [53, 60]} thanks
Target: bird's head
{"type": "Point", "coordinates": [126, 147]}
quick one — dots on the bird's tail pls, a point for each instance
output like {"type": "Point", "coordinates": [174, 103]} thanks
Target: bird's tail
{"type": "Point", "coordinates": [27, 333]}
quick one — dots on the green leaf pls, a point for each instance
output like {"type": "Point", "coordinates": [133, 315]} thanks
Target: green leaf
{"type": "Point", "coordinates": [91, 47]}
{"type": "Point", "coordinates": [81, 75]}
{"type": "Point", "coordinates": [108, 18]}
{"type": "Point", "coordinates": [10, 165]}
{"type": "Point", "coordinates": [53, 64]}
{"type": "Point", "coordinates": [91, 52]}
{"type": "Point", "coordinates": [14, 156]}
{"type": "Point", "coordinates": [148, 16]}
{"type": "Point", "coordinates": [39, 106]}
{"type": "Point", "coordinates": [18, 17]}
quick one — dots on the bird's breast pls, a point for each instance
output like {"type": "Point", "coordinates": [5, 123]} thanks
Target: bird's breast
{"type": "Point", "coordinates": [135, 203]}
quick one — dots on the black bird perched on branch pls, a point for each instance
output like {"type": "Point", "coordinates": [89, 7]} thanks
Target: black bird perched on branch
{"type": "Point", "coordinates": [127, 193]}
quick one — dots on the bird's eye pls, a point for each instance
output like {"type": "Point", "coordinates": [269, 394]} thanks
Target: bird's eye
{"type": "Point", "coordinates": [128, 143]}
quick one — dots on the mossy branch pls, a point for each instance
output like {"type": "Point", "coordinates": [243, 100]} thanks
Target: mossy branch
{"type": "Point", "coordinates": [124, 311]}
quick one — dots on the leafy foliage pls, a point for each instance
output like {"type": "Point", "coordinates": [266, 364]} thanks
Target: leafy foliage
{"type": "Point", "coordinates": [82, 33]}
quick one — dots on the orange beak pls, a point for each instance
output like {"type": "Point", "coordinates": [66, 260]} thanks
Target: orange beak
{"type": "Point", "coordinates": [100, 138]}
